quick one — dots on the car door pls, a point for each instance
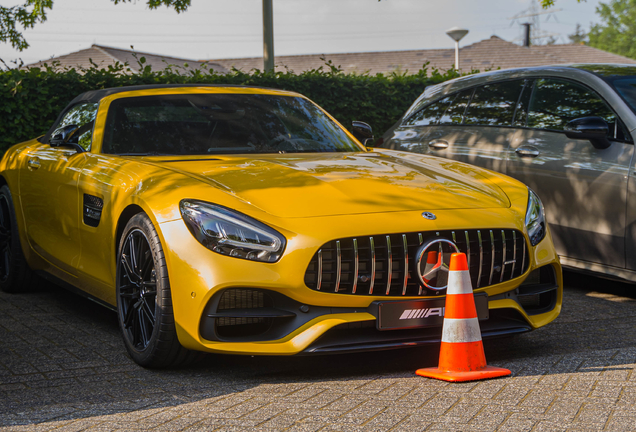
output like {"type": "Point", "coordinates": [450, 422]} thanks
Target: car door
{"type": "Point", "coordinates": [472, 125]}
{"type": "Point", "coordinates": [480, 134]}
{"type": "Point", "coordinates": [583, 188]}
{"type": "Point", "coordinates": [97, 180]}
{"type": "Point", "coordinates": [411, 134]}
{"type": "Point", "coordinates": [49, 197]}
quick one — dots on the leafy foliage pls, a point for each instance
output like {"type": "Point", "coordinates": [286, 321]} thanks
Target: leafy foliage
{"type": "Point", "coordinates": [26, 15]}
{"type": "Point", "coordinates": [34, 11]}
{"type": "Point", "coordinates": [617, 31]}
{"type": "Point", "coordinates": [549, 3]}
{"type": "Point", "coordinates": [178, 5]}
{"type": "Point", "coordinates": [31, 98]}
{"type": "Point", "coordinates": [579, 36]}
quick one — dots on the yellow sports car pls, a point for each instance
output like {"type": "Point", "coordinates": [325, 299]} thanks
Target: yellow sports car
{"type": "Point", "coordinates": [248, 221]}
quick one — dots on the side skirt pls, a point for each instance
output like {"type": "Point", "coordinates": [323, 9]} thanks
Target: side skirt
{"type": "Point", "coordinates": [67, 286]}
{"type": "Point", "coordinates": [598, 270]}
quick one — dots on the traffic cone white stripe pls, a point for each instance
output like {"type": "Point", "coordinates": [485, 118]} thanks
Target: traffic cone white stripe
{"type": "Point", "coordinates": [461, 330]}
{"type": "Point", "coordinates": [459, 282]}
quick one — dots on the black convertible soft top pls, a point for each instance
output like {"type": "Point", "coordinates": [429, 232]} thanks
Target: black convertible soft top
{"type": "Point", "coordinates": [97, 95]}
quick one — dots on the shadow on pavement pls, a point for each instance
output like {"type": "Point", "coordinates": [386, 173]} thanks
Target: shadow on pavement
{"type": "Point", "coordinates": [61, 356]}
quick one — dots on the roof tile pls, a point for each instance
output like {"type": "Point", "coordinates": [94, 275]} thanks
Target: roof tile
{"type": "Point", "coordinates": [104, 56]}
{"type": "Point", "coordinates": [488, 54]}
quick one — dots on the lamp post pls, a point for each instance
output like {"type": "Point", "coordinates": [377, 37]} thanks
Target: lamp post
{"type": "Point", "coordinates": [268, 36]}
{"type": "Point", "coordinates": [456, 34]}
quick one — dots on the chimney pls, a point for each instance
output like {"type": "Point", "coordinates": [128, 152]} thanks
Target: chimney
{"type": "Point", "coordinates": [526, 38]}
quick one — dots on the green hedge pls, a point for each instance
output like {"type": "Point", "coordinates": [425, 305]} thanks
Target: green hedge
{"type": "Point", "coordinates": [31, 98]}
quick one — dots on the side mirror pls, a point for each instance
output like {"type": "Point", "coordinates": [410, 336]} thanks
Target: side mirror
{"type": "Point", "coordinates": [362, 131]}
{"type": "Point", "coordinates": [593, 128]}
{"type": "Point", "coordinates": [66, 136]}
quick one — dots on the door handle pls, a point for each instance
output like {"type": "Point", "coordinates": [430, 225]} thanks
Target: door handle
{"type": "Point", "coordinates": [34, 163]}
{"type": "Point", "coordinates": [527, 151]}
{"type": "Point", "coordinates": [438, 144]}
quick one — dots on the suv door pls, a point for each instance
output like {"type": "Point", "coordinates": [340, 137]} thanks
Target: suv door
{"type": "Point", "coordinates": [472, 126]}
{"type": "Point", "coordinates": [477, 130]}
{"type": "Point", "coordinates": [583, 189]}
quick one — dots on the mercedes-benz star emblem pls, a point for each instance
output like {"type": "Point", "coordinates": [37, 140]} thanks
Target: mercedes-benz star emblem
{"type": "Point", "coordinates": [432, 261]}
{"type": "Point", "coordinates": [429, 216]}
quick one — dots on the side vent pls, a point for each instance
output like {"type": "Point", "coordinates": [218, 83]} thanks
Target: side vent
{"type": "Point", "coordinates": [92, 210]}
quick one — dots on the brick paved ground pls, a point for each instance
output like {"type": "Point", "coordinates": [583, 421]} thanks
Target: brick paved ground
{"type": "Point", "coordinates": [63, 367]}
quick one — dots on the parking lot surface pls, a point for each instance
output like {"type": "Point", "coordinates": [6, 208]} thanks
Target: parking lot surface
{"type": "Point", "coordinates": [63, 366]}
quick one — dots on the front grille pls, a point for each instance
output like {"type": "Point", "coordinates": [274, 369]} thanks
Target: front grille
{"type": "Point", "coordinates": [385, 264]}
{"type": "Point", "coordinates": [241, 298]}
{"type": "Point", "coordinates": [242, 326]}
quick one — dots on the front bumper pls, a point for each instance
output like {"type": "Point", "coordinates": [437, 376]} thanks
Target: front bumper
{"type": "Point", "coordinates": [301, 320]}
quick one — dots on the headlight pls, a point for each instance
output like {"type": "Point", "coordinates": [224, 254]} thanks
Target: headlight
{"type": "Point", "coordinates": [231, 233]}
{"type": "Point", "coordinates": [535, 218]}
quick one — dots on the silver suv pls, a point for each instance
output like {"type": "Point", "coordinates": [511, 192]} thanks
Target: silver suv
{"type": "Point", "coordinates": [565, 131]}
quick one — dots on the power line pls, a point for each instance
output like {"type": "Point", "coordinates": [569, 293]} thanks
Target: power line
{"type": "Point", "coordinates": [537, 35]}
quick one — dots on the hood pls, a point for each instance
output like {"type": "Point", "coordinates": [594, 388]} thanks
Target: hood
{"type": "Point", "coordinates": [325, 184]}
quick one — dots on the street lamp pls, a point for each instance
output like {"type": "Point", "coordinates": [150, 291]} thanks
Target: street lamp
{"type": "Point", "coordinates": [456, 34]}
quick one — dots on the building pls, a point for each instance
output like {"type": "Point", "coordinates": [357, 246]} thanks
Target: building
{"type": "Point", "coordinates": [104, 56]}
{"type": "Point", "coordinates": [488, 54]}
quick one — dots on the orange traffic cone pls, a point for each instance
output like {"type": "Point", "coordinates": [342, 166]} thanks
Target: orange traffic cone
{"type": "Point", "coordinates": [461, 356]}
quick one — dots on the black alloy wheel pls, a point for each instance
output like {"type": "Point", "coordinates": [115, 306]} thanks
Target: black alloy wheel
{"type": "Point", "coordinates": [137, 289]}
{"type": "Point", "coordinates": [15, 274]}
{"type": "Point", "coordinates": [144, 299]}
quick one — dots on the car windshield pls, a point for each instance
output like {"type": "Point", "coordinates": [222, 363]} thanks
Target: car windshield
{"type": "Point", "coordinates": [201, 124]}
{"type": "Point", "coordinates": [626, 87]}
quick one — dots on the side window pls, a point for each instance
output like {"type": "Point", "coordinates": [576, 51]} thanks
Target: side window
{"type": "Point", "coordinates": [555, 102]}
{"type": "Point", "coordinates": [449, 110]}
{"type": "Point", "coordinates": [494, 104]}
{"type": "Point", "coordinates": [82, 115]}
{"type": "Point", "coordinates": [429, 115]}
{"type": "Point", "coordinates": [521, 113]}
{"type": "Point", "coordinates": [455, 112]}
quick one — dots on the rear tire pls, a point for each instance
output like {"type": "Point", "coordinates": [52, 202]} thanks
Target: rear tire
{"type": "Point", "coordinates": [144, 301]}
{"type": "Point", "coordinates": [15, 274]}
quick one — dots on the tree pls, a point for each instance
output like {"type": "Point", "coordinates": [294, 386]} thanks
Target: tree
{"type": "Point", "coordinates": [617, 31]}
{"type": "Point", "coordinates": [34, 11]}
{"type": "Point", "coordinates": [27, 15]}
{"type": "Point", "coordinates": [549, 3]}
{"type": "Point", "coordinates": [579, 36]}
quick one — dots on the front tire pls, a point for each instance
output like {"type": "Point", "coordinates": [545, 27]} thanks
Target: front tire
{"type": "Point", "coordinates": [144, 301]}
{"type": "Point", "coordinates": [15, 274]}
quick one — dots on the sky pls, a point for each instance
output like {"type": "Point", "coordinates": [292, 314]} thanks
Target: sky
{"type": "Point", "coordinates": [216, 29]}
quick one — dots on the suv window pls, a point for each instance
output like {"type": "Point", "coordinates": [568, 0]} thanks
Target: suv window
{"type": "Point", "coordinates": [494, 104]}
{"type": "Point", "coordinates": [455, 112]}
{"type": "Point", "coordinates": [82, 115]}
{"type": "Point", "coordinates": [521, 113]}
{"type": "Point", "coordinates": [555, 102]}
{"type": "Point", "coordinates": [448, 110]}
{"type": "Point", "coordinates": [430, 114]}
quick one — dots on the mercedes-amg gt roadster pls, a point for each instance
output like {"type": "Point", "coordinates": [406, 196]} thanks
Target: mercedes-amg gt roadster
{"type": "Point", "coordinates": [247, 220]}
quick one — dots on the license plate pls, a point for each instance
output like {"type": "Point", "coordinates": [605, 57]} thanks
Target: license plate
{"type": "Point", "coordinates": [409, 314]}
